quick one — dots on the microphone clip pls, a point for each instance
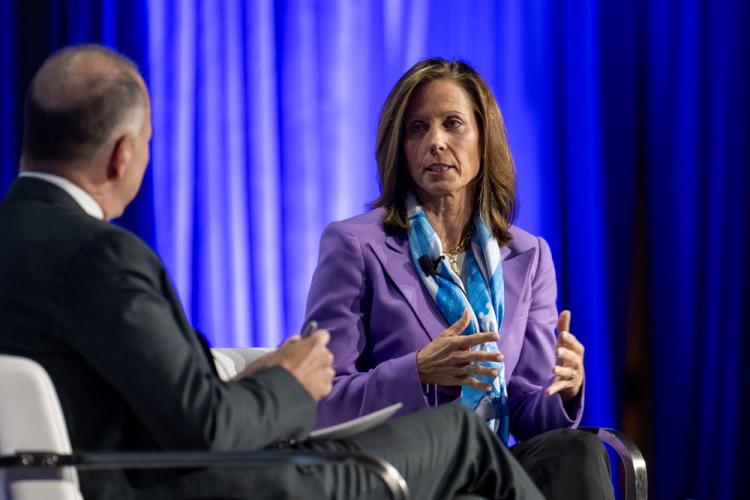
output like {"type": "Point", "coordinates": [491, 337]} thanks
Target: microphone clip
{"type": "Point", "coordinates": [429, 266]}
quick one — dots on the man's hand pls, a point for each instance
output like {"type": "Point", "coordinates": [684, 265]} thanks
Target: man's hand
{"type": "Point", "coordinates": [569, 355]}
{"type": "Point", "coordinates": [448, 359]}
{"type": "Point", "coordinates": [308, 360]}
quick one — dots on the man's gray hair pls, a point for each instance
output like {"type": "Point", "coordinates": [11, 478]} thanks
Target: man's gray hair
{"type": "Point", "coordinates": [76, 100]}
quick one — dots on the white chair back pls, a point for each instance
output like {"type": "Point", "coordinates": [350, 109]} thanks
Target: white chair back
{"type": "Point", "coordinates": [30, 420]}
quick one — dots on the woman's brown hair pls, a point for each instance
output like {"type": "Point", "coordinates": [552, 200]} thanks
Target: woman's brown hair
{"type": "Point", "coordinates": [497, 176]}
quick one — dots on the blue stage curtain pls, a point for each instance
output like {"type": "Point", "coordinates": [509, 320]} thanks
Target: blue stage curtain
{"type": "Point", "coordinates": [9, 95]}
{"type": "Point", "coordinates": [697, 124]}
{"type": "Point", "coordinates": [629, 127]}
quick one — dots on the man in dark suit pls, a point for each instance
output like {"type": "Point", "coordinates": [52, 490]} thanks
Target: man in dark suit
{"type": "Point", "coordinates": [94, 305]}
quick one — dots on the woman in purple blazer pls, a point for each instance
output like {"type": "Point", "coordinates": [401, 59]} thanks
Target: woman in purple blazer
{"type": "Point", "coordinates": [435, 297]}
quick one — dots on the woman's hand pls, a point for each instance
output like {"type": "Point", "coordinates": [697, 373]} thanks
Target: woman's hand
{"type": "Point", "coordinates": [569, 368]}
{"type": "Point", "coordinates": [447, 360]}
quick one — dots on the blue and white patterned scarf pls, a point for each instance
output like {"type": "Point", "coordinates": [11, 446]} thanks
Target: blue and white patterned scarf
{"type": "Point", "coordinates": [483, 295]}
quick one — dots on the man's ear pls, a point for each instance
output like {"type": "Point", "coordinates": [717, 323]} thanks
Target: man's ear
{"type": "Point", "coordinates": [120, 158]}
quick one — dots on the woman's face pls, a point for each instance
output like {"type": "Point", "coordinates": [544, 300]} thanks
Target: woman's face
{"type": "Point", "coordinates": [441, 140]}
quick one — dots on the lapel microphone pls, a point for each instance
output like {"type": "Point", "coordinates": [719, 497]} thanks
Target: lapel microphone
{"type": "Point", "coordinates": [429, 266]}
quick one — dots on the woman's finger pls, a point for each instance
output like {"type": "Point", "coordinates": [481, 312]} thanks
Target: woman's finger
{"type": "Point", "coordinates": [477, 339]}
{"type": "Point", "coordinates": [476, 356]}
{"type": "Point", "coordinates": [564, 373]}
{"type": "Point", "coordinates": [476, 384]}
{"type": "Point", "coordinates": [558, 385]}
{"type": "Point", "coordinates": [567, 339]}
{"type": "Point", "coordinates": [458, 327]}
{"type": "Point", "coordinates": [486, 371]}
{"type": "Point", "coordinates": [563, 322]}
{"type": "Point", "coordinates": [470, 370]}
{"type": "Point", "coordinates": [568, 358]}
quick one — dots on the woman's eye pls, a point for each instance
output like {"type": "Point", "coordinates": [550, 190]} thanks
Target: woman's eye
{"type": "Point", "coordinates": [453, 123]}
{"type": "Point", "coordinates": [417, 127]}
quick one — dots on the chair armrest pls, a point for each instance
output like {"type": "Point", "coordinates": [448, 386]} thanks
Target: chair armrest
{"type": "Point", "coordinates": [636, 481]}
{"type": "Point", "coordinates": [392, 479]}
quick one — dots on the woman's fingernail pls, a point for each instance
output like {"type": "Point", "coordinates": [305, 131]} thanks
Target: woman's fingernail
{"type": "Point", "coordinates": [495, 372]}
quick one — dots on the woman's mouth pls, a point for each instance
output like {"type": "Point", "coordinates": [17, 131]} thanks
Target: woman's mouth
{"type": "Point", "coordinates": [438, 168]}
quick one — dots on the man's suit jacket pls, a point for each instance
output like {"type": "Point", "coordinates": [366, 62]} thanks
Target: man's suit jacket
{"type": "Point", "coordinates": [367, 292]}
{"type": "Point", "coordinates": [94, 306]}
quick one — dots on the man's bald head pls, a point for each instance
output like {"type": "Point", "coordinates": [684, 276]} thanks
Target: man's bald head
{"type": "Point", "coordinates": [78, 101]}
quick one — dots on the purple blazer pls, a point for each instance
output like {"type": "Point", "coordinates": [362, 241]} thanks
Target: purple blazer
{"type": "Point", "coordinates": [368, 294]}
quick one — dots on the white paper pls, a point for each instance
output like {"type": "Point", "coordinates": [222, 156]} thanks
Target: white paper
{"type": "Point", "coordinates": [356, 425]}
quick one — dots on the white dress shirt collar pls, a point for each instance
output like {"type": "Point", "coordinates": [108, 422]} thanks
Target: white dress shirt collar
{"type": "Point", "coordinates": [85, 200]}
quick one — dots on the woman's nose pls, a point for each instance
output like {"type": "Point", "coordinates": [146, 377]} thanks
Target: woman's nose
{"type": "Point", "coordinates": [437, 140]}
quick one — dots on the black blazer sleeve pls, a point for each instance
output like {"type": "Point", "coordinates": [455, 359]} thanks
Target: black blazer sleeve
{"type": "Point", "coordinates": [130, 327]}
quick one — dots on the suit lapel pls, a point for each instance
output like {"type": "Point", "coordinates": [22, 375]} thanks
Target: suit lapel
{"type": "Point", "coordinates": [516, 270]}
{"type": "Point", "coordinates": [396, 261]}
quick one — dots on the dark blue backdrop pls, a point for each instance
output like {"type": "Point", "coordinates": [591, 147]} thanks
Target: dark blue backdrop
{"type": "Point", "coordinates": [629, 126]}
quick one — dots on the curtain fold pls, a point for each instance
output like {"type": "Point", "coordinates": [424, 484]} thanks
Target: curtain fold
{"type": "Point", "coordinates": [698, 233]}
{"type": "Point", "coordinates": [9, 95]}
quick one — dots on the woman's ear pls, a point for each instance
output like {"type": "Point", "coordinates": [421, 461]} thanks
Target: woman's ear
{"type": "Point", "coordinates": [121, 157]}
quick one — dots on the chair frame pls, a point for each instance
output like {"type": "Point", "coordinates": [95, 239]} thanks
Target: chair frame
{"type": "Point", "coordinates": [391, 478]}
{"type": "Point", "coordinates": [636, 478]}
